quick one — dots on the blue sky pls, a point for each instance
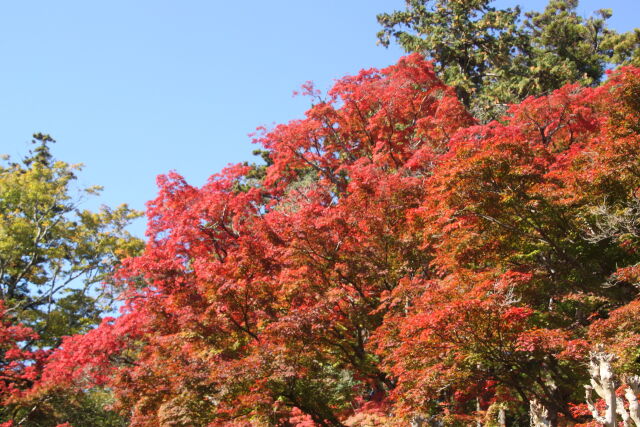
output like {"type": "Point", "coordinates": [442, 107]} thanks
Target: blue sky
{"type": "Point", "coordinates": [133, 89]}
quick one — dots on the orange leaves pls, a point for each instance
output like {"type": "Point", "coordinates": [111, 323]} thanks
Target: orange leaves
{"type": "Point", "coordinates": [394, 258]}
{"type": "Point", "coordinates": [620, 332]}
{"type": "Point", "coordinates": [509, 197]}
{"type": "Point", "coordinates": [552, 341]}
{"type": "Point", "coordinates": [559, 120]}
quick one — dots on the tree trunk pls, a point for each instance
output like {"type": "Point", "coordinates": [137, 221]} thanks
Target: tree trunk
{"type": "Point", "coordinates": [502, 418]}
{"type": "Point", "coordinates": [540, 416]}
{"type": "Point", "coordinates": [604, 384]}
{"type": "Point", "coordinates": [418, 421]}
{"type": "Point", "coordinates": [631, 394]}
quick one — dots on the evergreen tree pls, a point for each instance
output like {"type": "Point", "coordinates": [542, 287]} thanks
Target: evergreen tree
{"type": "Point", "coordinates": [494, 57]}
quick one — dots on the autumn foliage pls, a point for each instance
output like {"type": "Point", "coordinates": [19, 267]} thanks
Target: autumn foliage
{"type": "Point", "coordinates": [19, 368]}
{"type": "Point", "coordinates": [394, 259]}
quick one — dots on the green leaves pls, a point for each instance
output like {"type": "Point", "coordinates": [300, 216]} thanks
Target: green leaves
{"type": "Point", "coordinates": [46, 243]}
{"type": "Point", "coordinates": [468, 40]}
{"type": "Point", "coordinates": [495, 57]}
{"type": "Point", "coordinates": [56, 264]}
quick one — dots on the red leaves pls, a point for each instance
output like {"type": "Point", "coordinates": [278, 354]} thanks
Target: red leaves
{"type": "Point", "coordinates": [20, 367]}
{"type": "Point", "coordinates": [620, 332]}
{"type": "Point", "coordinates": [385, 116]}
{"type": "Point", "coordinates": [395, 254]}
{"type": "Point", "coordinates": [90, 358]}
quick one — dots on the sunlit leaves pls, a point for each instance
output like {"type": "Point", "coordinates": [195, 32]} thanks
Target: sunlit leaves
{"type": "Point", "coordinates": [393, 259]}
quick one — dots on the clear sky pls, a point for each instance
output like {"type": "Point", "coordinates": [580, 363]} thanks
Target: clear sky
{"type": "Point", "coordinates": [136, 88]}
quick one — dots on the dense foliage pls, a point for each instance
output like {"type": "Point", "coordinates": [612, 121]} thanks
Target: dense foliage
{"type": "Point", "coordinates": [395, 261]}
{"type": "Point", "coordinates": [55, 262]}
{"type": "Point", "coordinates": [400, 258]}
{"type": "Point", "coordinates": [494, 57]}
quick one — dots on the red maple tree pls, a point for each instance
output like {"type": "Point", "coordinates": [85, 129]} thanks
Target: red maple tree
{"type": "Point", "coordinates": [394, 260]}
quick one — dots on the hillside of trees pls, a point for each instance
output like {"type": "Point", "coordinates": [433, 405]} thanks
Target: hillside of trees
{"type": "Point", "coordinates": [453, 240]}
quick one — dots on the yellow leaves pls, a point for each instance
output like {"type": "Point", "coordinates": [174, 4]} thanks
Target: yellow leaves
{"type": "Point", "coordinates": [47, 246]}
{"type": "Point", "coordinates": [94, 190]}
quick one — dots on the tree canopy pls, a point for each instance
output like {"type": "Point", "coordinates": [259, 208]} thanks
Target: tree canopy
{"type": "Point", "coordinates": [56, 261]}
{"type": "Point", "coordinates": [450, 240]}
{"type": "Point", "coordinates": [395, 261]}
{"type": "Point", "coordinates": [494, 57]}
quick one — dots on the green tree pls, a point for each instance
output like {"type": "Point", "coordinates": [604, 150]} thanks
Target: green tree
{"type": "Point", "coordinates": [55, 258]}
{"type": "Point", "coordinates": [494, 57]}
{"type": "Point", "coordinates": [56, 261]}
{"type": "Point", "coordinates": [468, 40]}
